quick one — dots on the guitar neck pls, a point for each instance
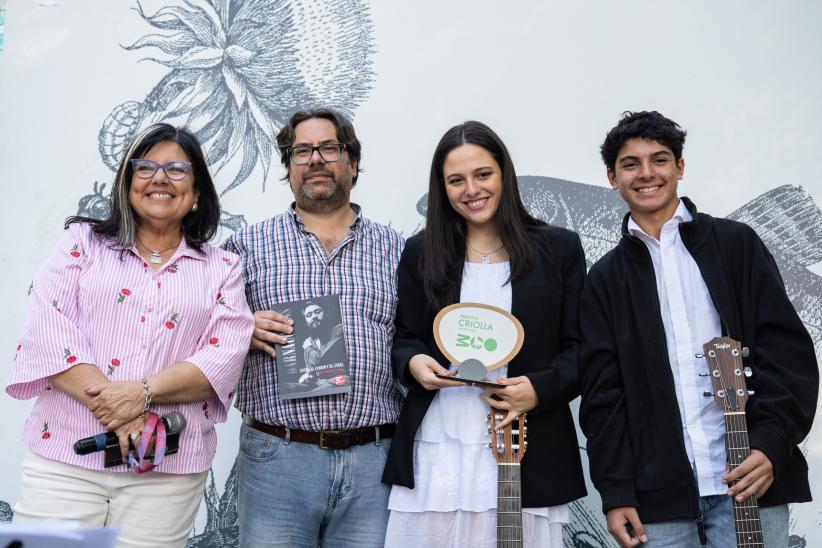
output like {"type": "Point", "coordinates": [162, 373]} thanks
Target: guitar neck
{"type": "Point", "coordinates": [746, 513]}
{"type": "Point", "coordinates": [509, 506]}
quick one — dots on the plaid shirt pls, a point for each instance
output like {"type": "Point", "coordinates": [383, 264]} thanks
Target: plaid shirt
{"type": "Point", "coordinates": [283, 262]}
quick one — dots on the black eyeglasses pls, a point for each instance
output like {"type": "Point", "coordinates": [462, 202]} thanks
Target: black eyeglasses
{"type": "Point", "coordinates": [145, 169]}
{"type": "Point", "coordinates": [329, 152]}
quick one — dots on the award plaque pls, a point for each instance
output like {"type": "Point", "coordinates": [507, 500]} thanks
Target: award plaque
{"type": "Point", "coordinates": [477, 338]}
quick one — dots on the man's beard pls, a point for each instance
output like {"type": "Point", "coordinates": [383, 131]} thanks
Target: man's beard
{"type": "Point", "coordinates": [325, 201]}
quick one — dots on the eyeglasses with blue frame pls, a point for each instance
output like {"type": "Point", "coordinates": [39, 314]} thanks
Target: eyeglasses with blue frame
{"type": "Point", "coordinates": [145, 169]}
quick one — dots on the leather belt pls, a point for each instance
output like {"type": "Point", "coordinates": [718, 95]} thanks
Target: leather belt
{"type": "Point", "coordinates": [326, 439]}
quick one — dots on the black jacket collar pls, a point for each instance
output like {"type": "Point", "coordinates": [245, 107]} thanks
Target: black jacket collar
{"type": "Point", "coordinates": [690, 230]}
{"type": "Point", "coordinates": [685, 200]}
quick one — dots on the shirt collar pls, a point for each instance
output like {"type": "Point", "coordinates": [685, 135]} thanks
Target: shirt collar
{"type": "Point", "coordinates": [300, 224]}
{"type": "Point", "coordinates": [681, 215]}
{"type": "Point", "coordinates": [184, 250]}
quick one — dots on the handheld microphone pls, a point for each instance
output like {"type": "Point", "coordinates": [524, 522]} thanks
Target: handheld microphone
{"type": "Point", "coordinates": [174, 422]}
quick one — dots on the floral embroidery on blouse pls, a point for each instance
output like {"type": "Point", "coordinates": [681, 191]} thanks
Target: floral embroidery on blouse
{"type": "Point", "coordinates": [69, 356]}
{"type": "Point", "coordinates": [121, 296]}
{"type": "Point", "coordinates": [173, 321]}
{"type": "Point", "coordinates": [114, 363]}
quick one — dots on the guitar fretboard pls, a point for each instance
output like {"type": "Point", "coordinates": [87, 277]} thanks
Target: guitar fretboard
{"type": "Point", "coordinates": [509, 506]}
{"type": "Point", "coordinates": [746, 514]}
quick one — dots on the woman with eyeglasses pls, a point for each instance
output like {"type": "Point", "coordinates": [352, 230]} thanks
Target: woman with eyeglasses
{"type": "Point", "coordinates": [133, 318]}
{"type": "Point", "coordinates": [480, 245]}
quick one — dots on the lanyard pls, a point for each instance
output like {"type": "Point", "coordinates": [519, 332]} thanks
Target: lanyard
{"type": "Point", "coordinates": [157, 428]}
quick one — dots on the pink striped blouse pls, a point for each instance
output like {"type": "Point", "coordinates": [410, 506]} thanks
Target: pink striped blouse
{"type": "Point", "coordinates": [90, 303]}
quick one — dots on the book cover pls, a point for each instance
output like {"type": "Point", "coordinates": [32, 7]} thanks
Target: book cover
{"type": "Point", "coordinates": [314, 361]}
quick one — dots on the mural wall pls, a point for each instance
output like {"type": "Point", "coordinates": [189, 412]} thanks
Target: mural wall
{"type": "Point", "coordinates": [551, 79]}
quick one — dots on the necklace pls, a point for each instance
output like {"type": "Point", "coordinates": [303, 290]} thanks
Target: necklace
{"type": "Point", "coordinates": [485, 258]}
{"type": "Point", "coordinates": [156, 256]}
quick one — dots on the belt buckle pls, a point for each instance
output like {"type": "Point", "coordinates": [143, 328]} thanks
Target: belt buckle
{"type": "Point", "coordinates": [322, 437]}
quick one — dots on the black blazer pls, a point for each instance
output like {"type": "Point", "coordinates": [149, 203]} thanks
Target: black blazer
{"type": "Point", "coordinates": [546, 302]}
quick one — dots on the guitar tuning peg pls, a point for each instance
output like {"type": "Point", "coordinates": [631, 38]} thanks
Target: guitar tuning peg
{"type": "Point", "coordinates": [746, 351]}
{"type": "Point", "coordinates": [705, 374]}
{"type": "Point", "coordinates": [490, 445]}
{"type": "Point", "coordinates": [490, 430]}
{"type": "Point", "coordinates": [748, 371]}
{"type": "Point", "coordinates": [699, 355]}
{"type": "Point", "coordinates": [751, 392]}
{"type": "Point", "coordinates": [708, 394]}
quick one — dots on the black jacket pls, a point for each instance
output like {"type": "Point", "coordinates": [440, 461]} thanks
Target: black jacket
{"type": "Point", "coordinates": [546, 301]}
{"type": "Point", "coordinates": [629, 411]}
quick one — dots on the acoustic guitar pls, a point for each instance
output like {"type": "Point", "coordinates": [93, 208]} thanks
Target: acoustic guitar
{"type": "Point", "coordinates": [508, 446]}
{"type": "Point", "coordinates": [728, 374]}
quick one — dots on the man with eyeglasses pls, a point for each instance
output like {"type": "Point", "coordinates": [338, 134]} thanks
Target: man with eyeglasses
{"type": "Point", "coordinates": [309, 469]}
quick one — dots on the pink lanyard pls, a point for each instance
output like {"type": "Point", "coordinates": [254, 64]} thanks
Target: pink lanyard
{"type": "Point", "coordinates": [154, 426]}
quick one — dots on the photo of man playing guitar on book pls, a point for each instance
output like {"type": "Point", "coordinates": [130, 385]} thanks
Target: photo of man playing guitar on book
{"type": "Point", "coordinates": [322, 343]}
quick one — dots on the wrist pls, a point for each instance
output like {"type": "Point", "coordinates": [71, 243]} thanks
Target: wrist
{"type": "Point", "coordinates": [147, 395]}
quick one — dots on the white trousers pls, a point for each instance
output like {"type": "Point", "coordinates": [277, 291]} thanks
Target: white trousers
{"type": "Point", "coordinates": [152, 510]}
{"type": "Point", "coordinates": [460, 528]}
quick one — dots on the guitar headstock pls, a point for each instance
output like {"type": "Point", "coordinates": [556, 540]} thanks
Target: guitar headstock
{"type": "Point", "coordinates": [727, 373]}
{"type": "Point", "coordinates": [508, 444]}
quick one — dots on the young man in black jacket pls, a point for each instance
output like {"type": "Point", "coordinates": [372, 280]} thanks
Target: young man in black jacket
{"type": "Point", "coordinates": [677, 279]}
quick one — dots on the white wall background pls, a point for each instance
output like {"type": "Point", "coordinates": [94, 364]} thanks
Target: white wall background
{"type": "Point", "coordinates": [551, 77]}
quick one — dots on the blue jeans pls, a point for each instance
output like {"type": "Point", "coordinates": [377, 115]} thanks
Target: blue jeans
{"type": "Point", "coordinates": [720, 530]}
{"type": "Point", "coordinates": [293, 494]}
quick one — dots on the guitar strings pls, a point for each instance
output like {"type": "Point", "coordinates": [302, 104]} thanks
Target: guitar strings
{"type": "Point", "coordinates": [509, 493]}
{"type": "Point", "coordinates": [746, 513]}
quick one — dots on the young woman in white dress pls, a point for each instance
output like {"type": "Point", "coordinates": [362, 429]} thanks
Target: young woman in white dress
{"type": "Point", "coordinates": [481, 245]}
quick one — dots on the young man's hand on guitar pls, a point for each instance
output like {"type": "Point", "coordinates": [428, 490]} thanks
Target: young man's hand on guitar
{"type": "Point", "coordinates": [755, 475]}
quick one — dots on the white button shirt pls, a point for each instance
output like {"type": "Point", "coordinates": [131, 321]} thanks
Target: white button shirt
{"type": "Point", "coordinates": [690, 319]}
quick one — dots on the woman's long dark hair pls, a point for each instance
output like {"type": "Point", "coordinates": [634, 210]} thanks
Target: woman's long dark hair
{"type": "Point", "coordinates": [445, 232]}
{"type": "Point", "coordinates": [121, 223]}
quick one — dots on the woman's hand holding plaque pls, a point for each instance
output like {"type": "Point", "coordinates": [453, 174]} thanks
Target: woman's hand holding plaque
{"type": "Point", "coordinates": [477, 338]}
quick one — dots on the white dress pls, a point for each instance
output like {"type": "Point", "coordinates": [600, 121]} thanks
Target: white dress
{"type": "Point", "coordinates": [455, 475]}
